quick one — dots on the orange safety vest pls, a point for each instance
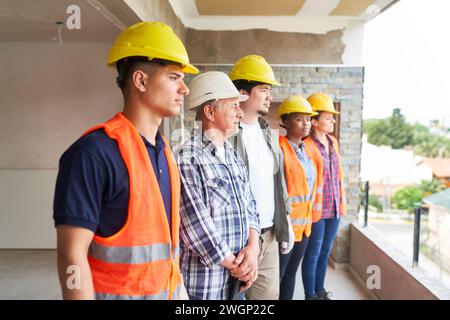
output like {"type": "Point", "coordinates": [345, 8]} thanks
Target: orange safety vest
{"type": "Point", "coordinates": [317, 158]}
{"type": "Point", "coordinates": [140, 261]}
{"type": "Point", "coordinates": [297, 186]}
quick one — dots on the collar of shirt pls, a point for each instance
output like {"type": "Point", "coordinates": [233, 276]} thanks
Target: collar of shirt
{"type": "Point", "coordinates": [317, 141]}
{"type": "Point", "coordinates": [263, 124]}
{"type": "Point", "coordinates": [297, 146]}
{"type": "Point", "coordinates": [207, 144]}
{"type": "Point", "coordinates": [299, 150]}
{"type": "Point", "coordinates": [159, 142]}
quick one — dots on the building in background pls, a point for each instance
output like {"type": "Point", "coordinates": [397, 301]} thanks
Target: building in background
{"type": "Point", "coordinates": [440, 167]}
{"type": "Point", "coordinates": [439, 227]}
{"type": "Point", "coordinates": [389, 169]}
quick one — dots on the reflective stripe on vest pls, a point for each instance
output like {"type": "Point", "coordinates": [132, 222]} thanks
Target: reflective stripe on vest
{"type": "Point", "coordinates": [317, 207]}
{"type": "Point", "coordinates": [130, 255]}
{"type": "Point", "coordinates": [176, 293]}
{"type": "Point", "coordinates": [163, 295]}
{"type": "Point", "coordinates": [299, 196]}
{"type": "Point", "coordinates": [176, 251]}
{"type": "Point", "coordinates": [301, 221]}
{"type": "Point", "coordinates": [140, 261]}
{"type": "Point", "coordinates": [297, 199]}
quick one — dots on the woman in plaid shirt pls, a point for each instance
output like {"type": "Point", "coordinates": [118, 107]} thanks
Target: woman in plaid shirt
{"type": "Point", "coordinates": [219, 222]}
{"type": "Point", "coordinates": [329, 205]}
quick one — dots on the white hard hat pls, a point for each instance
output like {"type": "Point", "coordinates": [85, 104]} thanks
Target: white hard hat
{"type": "Point", "coordinates": [212, 85]}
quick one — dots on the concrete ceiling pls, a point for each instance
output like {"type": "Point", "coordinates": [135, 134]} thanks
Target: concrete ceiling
{"type": "Point", "coordinates": [102, 20]}
{"type": "Point", "coordinates": [249, 7]}
{"type": "Point", "coordinates": [311, 16]}
{"type": "Point", "coordinates": [26, 20]}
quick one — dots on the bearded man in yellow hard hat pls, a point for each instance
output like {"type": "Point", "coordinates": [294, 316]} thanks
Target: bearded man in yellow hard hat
{"type": "Point", "coordinates": [258, 145]}
{"type": "Point", "coordinates": [116, 205]}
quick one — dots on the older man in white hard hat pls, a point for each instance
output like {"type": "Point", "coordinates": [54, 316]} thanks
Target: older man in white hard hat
{"type": "Point", "coordinates": [219, 222]}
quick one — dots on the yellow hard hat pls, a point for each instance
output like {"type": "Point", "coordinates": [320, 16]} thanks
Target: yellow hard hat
{"type": "Point", "coordinates": [253, 68]}
{"type": "Point", "coordinates": [322, 102]}
{"type": "Point", "coordinates": [295, 104]}
{"type": "Point", "coordinates": [152, 40]}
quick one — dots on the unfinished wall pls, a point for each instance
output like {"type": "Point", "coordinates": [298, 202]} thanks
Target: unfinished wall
{"type": "Point", "coordinates": [158, 10]}
{"type": "Point", "coordinates": [277, 47]}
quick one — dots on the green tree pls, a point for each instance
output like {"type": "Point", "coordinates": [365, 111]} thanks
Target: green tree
{"type": "Point", "coordinates": [407, 198]}
{"type": "Point", "coordinates": [428, 147]}
{"type": "Point", "coordinates": [393, 131]}
{"type": "Point", "coordinates": [375, 203]}
{"type": "Point", "coordinates": [376, 132]}
{"type": "Point", "coordinates": [399, 130]}
{"type": "Point", "coordinates": [431, 186]}
{"type": "Point", "coordinates": [420, 128]}
{"type": "Point", "coordinates": [420, 134]}
{"type": "Point", "coordinates": [431, 146]}
{"type": "Point", "coordinates": [397, 133]}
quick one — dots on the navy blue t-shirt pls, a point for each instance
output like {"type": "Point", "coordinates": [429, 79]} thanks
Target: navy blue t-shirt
{"type": "Point", "coordinates": [92, 188]}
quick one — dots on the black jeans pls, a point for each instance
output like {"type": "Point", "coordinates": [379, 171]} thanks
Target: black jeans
{"type": "Point", "coordinates": [289, 264]}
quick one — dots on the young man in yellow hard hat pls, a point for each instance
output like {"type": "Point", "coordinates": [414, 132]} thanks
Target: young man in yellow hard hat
{"type": "Point", "coordinates": [116, 205]}
{"type": "Point", "coordinates": [258, 145]}
{"type": "Point", "coordinates": [219, 220]}
{"type": "Point", "coordinates": [295, 113]}
{"type": "Point", "coordinates": [329, 204]}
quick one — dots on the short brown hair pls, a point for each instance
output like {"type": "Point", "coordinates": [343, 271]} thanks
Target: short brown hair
{"type": "Point", "coordinates": [127, 66]}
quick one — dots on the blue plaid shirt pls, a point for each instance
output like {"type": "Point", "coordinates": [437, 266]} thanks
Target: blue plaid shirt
{"type": "Point", "coordinates": [217, 209]}
{"type": "Point", "coordinates": [307, 163]}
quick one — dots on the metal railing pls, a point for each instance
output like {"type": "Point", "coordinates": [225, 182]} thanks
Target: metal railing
{"type": "Point", "coordinates": [416, 239]}
{"type": "Point", "coordinates": [366, 203]}
{"type": "Point", "coordinates": [417, 217]}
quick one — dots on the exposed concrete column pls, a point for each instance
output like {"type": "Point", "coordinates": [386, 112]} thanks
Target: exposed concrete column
{"type": "Point", "coordinates": [353, 40]}
{"type": "Point", "coordinates": [158, 10]}
{"type": "Point", "coordinates": [277, 47]}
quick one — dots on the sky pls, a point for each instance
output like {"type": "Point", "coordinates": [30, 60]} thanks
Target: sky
{"type": "Point", "coordinates": [406, 53]}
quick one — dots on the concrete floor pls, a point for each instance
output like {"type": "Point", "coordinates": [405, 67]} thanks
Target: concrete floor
{"type": "Point", "coordinates": [28, 275]}
{"type": "Point", "coordinates": [341, 282]}
{"type": "Point", "coordinates": [31, 274]}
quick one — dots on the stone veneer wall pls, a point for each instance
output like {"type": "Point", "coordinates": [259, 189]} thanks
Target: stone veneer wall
{"type": "Point", "coordinates": [344, 85]}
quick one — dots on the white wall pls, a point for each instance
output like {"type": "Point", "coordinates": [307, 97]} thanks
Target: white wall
{"type": "Point", "coordinates": [26, 198]}
{"type": "Point", "coordinates": [353, 39]}
{"type": "Point", "coordinates": [50, 94]}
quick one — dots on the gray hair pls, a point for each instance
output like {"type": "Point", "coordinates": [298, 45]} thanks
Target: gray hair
{"type": "Point", "coordinates": [199, 110]}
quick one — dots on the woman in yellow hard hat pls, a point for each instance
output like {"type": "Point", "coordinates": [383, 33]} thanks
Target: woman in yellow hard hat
{"type": "Point", "coordinates": [329, 203]}
{"type": "Point", "coordinates": [118, 188]}
{"type": "Point", "coordinates": [295, 113]}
